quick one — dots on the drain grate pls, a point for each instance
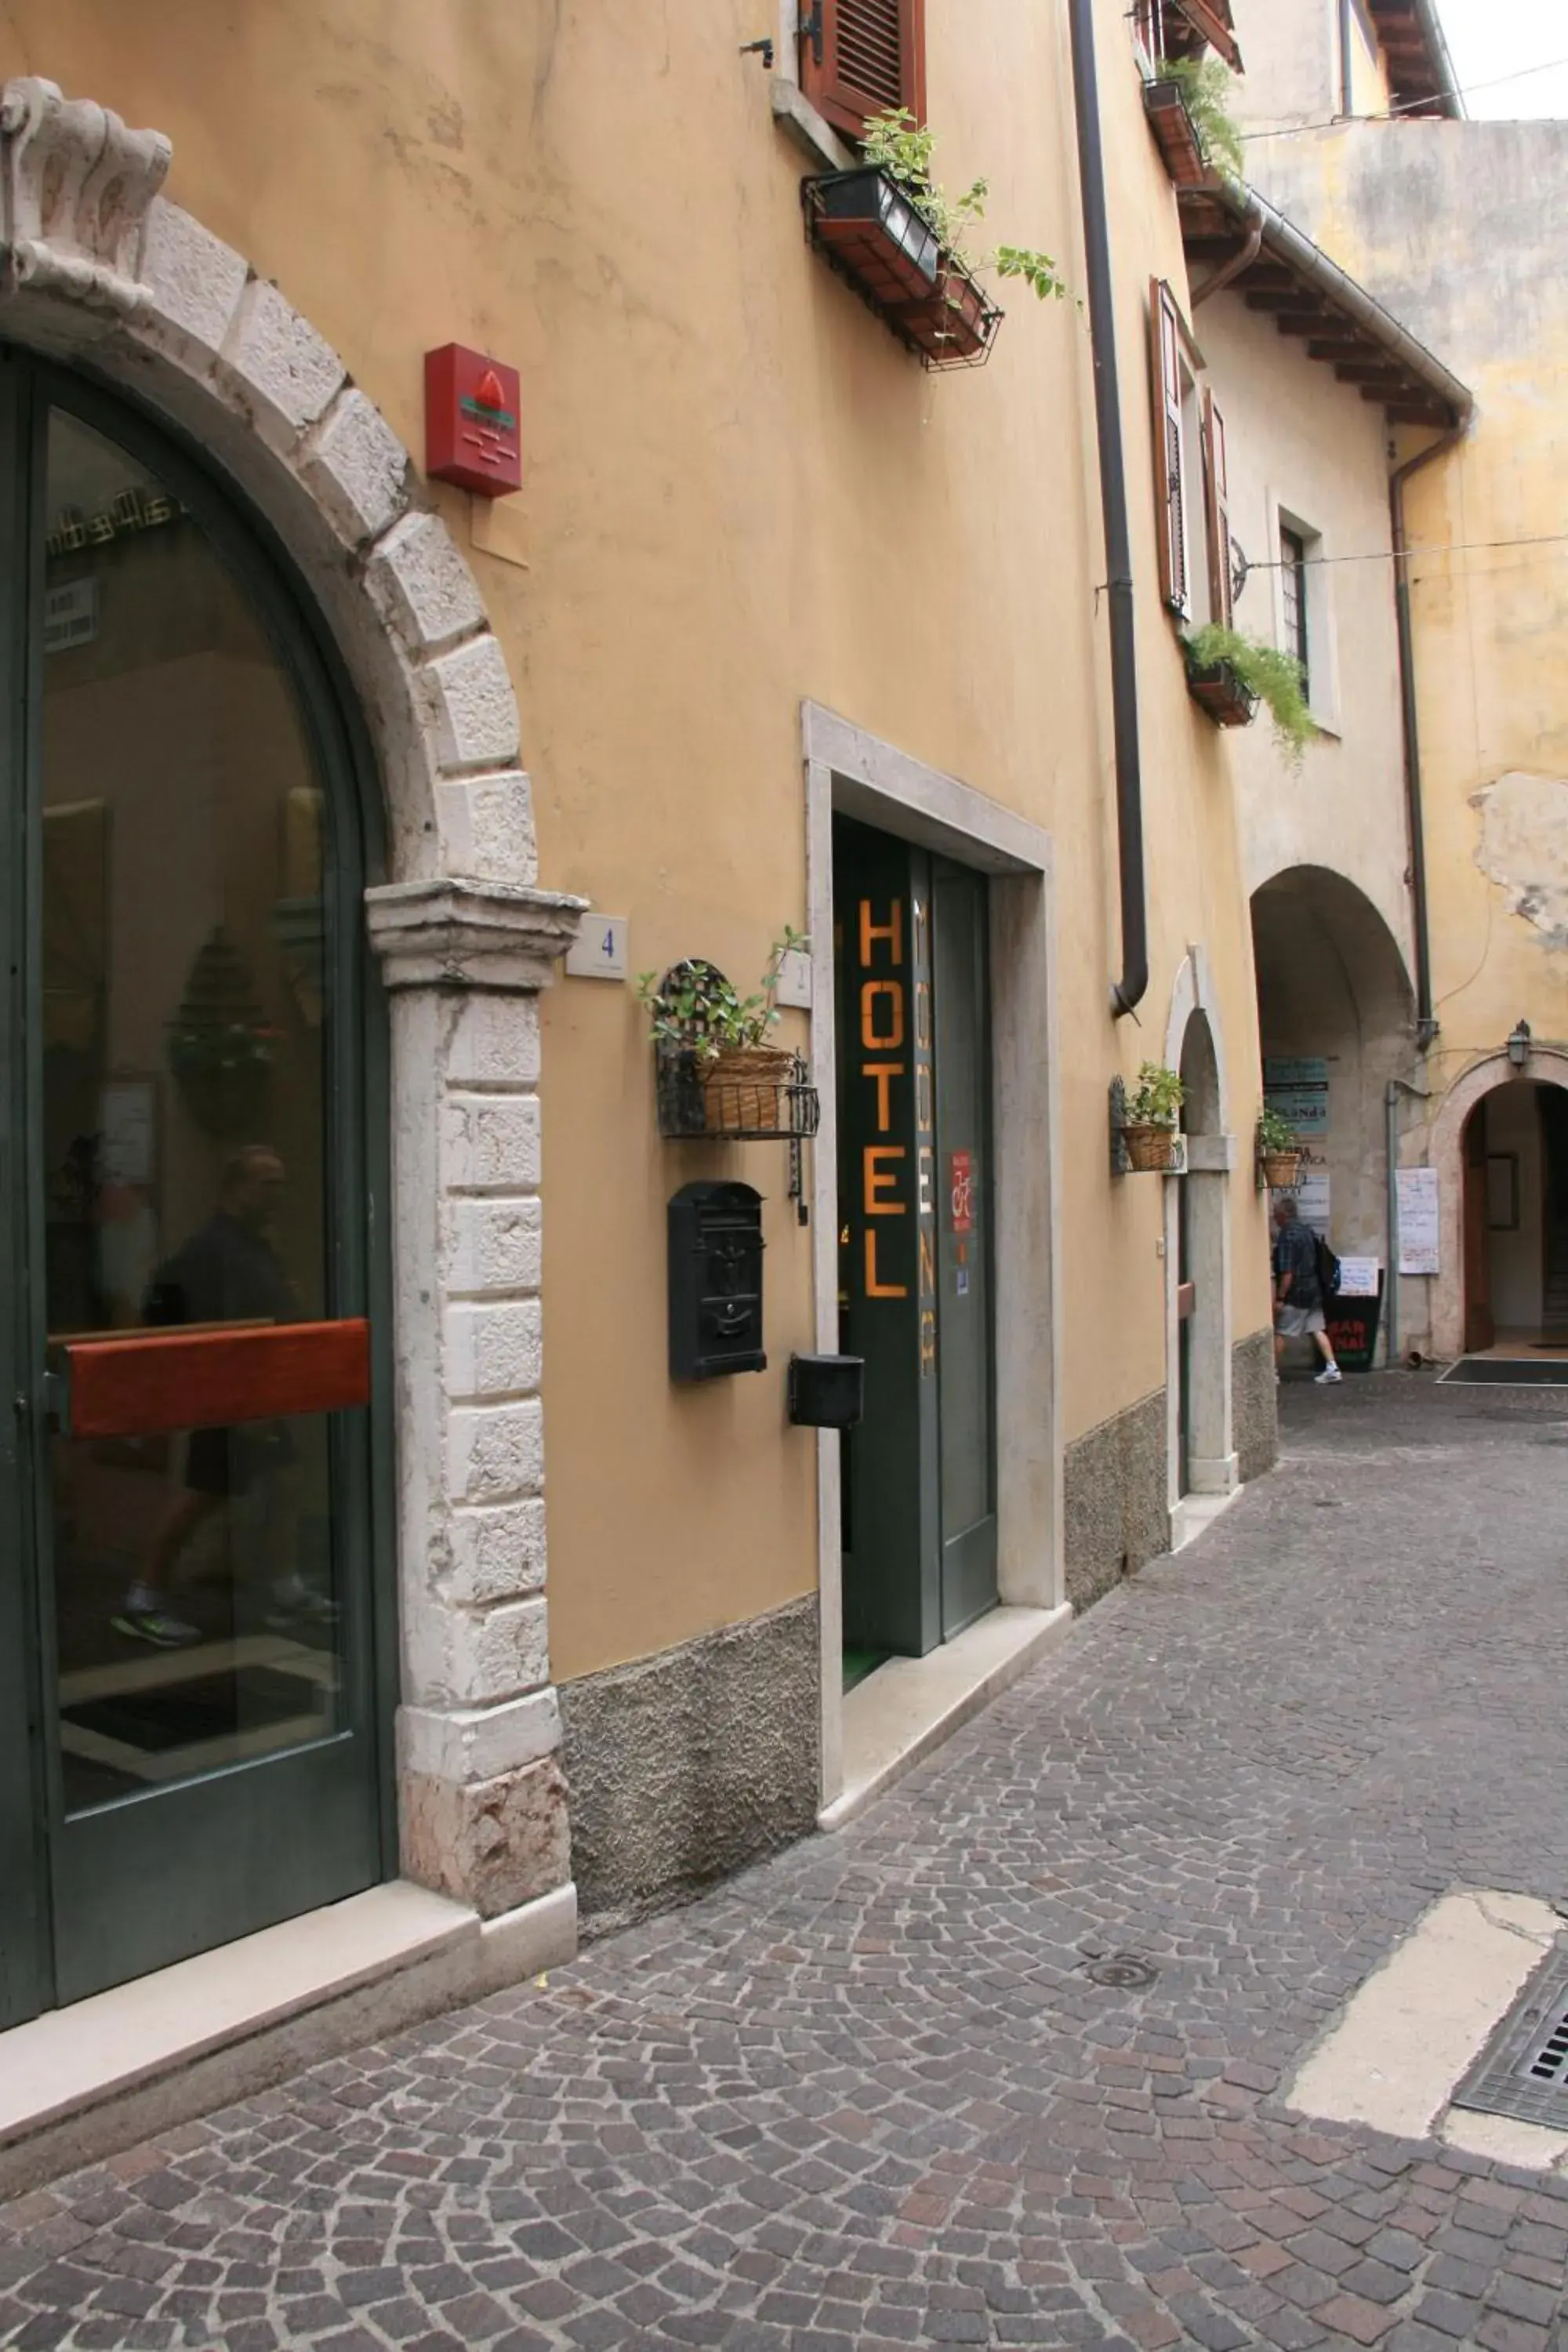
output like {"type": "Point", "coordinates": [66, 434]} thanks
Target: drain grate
{"type": "Point", "coordinates": [1523, 2070]}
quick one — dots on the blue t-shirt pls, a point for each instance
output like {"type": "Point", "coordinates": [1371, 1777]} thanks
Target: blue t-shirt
{"type": "Point", "coordinates": [1295, 1253]}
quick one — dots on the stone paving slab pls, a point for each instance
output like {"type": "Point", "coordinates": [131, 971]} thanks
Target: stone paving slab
{"type": "Point", "coordinates": [873, 2094]}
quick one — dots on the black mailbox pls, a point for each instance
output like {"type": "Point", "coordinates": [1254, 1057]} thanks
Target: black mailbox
{"type": "Point", "coordinates": [715, 1282]}
{"type": "Point", "coordinates": [827, 1391]}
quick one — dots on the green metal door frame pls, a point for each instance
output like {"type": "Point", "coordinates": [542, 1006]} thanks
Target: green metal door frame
{"type": "Point", "coordinates": [353, 1796]}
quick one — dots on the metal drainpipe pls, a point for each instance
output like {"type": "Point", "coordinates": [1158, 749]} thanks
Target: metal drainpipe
{"type": "Point", "coordinates": [1239, 262]}
{"type": "Point", "coordinates": [1128, 990]}
{"type": "Point", "coordinates": [1347, 94]}
{"type": "Point", "coordinates": [1426, 1022]}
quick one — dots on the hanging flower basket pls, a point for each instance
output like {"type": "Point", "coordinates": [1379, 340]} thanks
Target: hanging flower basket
{"type": "Point", "coordinates": [746, 1091]}
{"type": "Point", "coordinates": [1150, 1149]}
{"type": "Point", "coordinates": [867, 228]}
{"type": "Point", "coordinates": [1280, 1170]}
{"type": "Point", "coordinates": [220, 1050]}
{"type": "Point", "coordinates": [1220, 692]}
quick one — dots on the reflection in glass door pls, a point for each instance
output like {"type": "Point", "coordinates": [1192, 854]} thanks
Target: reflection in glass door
{"type": "Point", "coordinates": [197, 1287]}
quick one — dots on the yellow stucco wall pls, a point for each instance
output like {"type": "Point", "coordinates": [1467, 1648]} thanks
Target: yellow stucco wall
{"type": "Point", "coordinates": [738, 493]}
{"type": "Point", "coordinates": [1459, 227]}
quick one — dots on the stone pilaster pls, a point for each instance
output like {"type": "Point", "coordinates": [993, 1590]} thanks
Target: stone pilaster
{"type": "Point", "coordinates": [482, 1799]}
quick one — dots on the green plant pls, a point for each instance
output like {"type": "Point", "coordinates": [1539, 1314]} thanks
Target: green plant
{"type": "Point", "coordinates": [1157, 1097]}
{"type": "Point", "coordinates": [1204, 84]}
{"type": "Point", "coordinates": [898, 145]}
{"type": "Point", "coordinates": [1275, 1134]}
{"type": "Point", "coordinates": [1274, 678]}
{"type": "Point", "coordinates": [695, 1009]}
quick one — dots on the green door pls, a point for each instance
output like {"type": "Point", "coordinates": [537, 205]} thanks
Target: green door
{"type": "Point", "coordinates": [189, 1738]}
{"type": "Point", "coordinates": [915, 1235]}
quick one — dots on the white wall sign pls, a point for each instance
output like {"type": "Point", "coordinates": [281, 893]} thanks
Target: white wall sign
{"type": "Point", "coordinates": [1419, 1250]}
{"type": "Point", "coordinates": [599, 949]}
{"type": "Point", "coordinates": [70, 615]}
{"type": "Point", "coordinates": [1359, 1277]}
{"type": "Point", "coordinates": [794, 978]}
{"type": "Point", "coordinates": [1312, 1199]}
{"type": "Point", "coordinates": [127, 1119]}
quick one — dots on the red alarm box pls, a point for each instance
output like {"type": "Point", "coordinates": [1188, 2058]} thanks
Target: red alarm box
{"type": "Point", "coordinates": [472, 434]}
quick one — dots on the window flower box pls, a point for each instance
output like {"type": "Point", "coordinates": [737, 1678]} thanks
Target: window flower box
{"type": "Point", "coordinates": [1175, 133]}
{"type": "Point", "coordinates": [1220, 690]}
{"type": "Point", "coordinates": [867, 230]}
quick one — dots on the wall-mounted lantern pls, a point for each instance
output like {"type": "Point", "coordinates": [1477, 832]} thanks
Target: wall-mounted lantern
{"type": "Point", "coordinates": [1519, 1044]}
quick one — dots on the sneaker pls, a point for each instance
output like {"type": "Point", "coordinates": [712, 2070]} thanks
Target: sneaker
{"type": "Point", "coordinates": [159, 1626]}
{"type": "Point", "coordinates": [1327, 1376]}
{"type": "Point", "coordinates": [297, 1603]}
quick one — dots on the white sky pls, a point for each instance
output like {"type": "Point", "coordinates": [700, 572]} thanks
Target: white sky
{"type": "Point", "coordinates": [1488, 38]}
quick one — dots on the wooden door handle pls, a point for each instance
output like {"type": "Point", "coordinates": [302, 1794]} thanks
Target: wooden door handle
{"type": "Point", "coordinates": [151, 1381]}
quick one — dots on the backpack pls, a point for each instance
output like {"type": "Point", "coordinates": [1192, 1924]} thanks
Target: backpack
{"type": "Point", "coordinates": [1328, 1268]}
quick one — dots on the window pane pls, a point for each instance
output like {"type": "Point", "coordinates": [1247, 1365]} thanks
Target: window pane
{"type": "Point", "coordinates": [184, 1020]}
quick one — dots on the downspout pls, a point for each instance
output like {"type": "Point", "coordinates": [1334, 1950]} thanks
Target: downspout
{"type": "Point", "coordinates": [1347, 94]}
{"type": "Point", "coordinates": [1240, 261]}
{"type": "Point", "coordinates": [1128, 990]}
{"type": "Point", "coordinates": [1426, 1020]}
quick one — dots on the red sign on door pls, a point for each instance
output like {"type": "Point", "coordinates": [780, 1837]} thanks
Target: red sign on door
{"type": "Point", "coordinates": [963, 1193]}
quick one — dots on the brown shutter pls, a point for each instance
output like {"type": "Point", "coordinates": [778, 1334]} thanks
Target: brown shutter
{"type": "Point", "coordinates": [861, 57]}
{"type": "Point", "coordinates": [1170, 485]}
{"type": "Point", "coordinates": [1216, 501]}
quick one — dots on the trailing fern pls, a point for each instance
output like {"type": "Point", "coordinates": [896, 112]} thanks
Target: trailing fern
{"type": "Point", "coordinates": [1205, 83]}
{"type": "Point", "coordinates": [1274, 678]}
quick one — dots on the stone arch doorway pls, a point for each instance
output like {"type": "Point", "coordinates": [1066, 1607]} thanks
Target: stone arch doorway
{"type": "Point", "coordinates": [1200, 1446]}
{"type": "Point", "coordinates": [104, 279]}
{"type": "Point", "coordinates": [1514, 1216]}
{"type": "Point", "coordinates": [1500, 1280]}
{"type": "Point", "coordinates": [1336, 1027]}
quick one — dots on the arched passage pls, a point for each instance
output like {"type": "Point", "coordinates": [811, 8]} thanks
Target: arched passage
{"type": "Point", "coordinates": [1335, 1018]}
{"type": "Point", "coordinates": [1491, 1268]}
{"type": "Point", "coordinates": [1200, 1445]}
{"type": "Point", "coordinates": [1514, 1190]}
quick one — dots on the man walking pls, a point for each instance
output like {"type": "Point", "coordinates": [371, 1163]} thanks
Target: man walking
{"type": "Point", "coordinates": [1298, 1293]}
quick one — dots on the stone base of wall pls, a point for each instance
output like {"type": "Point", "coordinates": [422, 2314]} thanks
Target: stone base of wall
{"type": "Point", "coordinates": [687, 1765]}
{"type": "Point", "coordinates": [1254, 1403]}
{"type": "Point", "coordinates": [1117, 1512]}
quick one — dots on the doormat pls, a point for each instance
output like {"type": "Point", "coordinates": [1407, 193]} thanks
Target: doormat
{"type": "Point", "coordinates": [187, 1711]}
{"type": "Point", "coordinates": [1523, 2070]}
{"type": "Point", "coordinates": [1507, 1372]}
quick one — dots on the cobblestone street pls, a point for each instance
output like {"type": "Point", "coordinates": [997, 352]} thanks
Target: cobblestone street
{"type": "Point", "coordinates": [871, 2096]}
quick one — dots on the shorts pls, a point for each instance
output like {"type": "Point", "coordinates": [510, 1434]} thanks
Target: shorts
{"type": "Point", "coordinates": [1298, 1322]}
{"type": "Point", "coordinates": [229, 1461]}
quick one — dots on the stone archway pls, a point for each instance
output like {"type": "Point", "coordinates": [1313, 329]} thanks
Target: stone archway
{"type": "Point", "coordinates": [1200, 1443]}
{"type": "Point", "coordinates": [98, 271]}
{"type": "Point", "coordinates": [1444, 1141]}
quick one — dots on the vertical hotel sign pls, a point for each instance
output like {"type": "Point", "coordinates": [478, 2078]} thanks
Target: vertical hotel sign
{"type": "Point", "coordinates": [897, 1108]}
{"type": "Point", "coordinates": [888, 1186]}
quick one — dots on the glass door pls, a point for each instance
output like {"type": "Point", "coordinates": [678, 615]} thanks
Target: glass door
{"type": "Point", "coordinates": [194, 1486]}
{"type": "Point", "coordinates": [966, 1354]}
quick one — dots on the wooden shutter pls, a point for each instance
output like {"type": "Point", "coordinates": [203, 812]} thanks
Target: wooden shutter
{"type": "Point", "coordinates": [1216, 503]}
{"type": "Point", "coordinates": [1170, 473]}
{"type": "Point", "coordinates": [861, 57]}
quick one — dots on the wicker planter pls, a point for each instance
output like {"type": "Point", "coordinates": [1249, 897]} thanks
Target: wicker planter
{"type": "Point", "coordinates": [1220, 690]}
{"type": "Point", "coordinates": [1280, 1170]}
{"type": "Point", "coordinates": [744, 1091]}
{"type": "Point", "coordinates": [1150, 1149]}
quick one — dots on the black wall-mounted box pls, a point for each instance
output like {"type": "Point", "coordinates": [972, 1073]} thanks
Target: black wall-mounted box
{"type": "Point", "coordinates": [715, 1282]}
{"type": "Point", "coordinates": [827, 1391]}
